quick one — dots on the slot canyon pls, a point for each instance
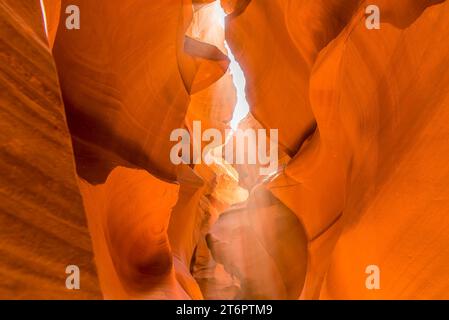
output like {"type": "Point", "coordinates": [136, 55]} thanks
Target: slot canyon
{"type": "Point", "coordinates": [362, 168]}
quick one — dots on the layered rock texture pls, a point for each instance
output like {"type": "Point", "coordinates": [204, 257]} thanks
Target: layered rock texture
{"type": "Point", "coordinates": [42, 220]}
{"type": "Point", "coordinates": [362, 174]}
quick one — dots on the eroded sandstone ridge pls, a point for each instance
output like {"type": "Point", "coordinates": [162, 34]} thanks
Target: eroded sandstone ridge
{"type": "Point", "coordinates": [42, 222]}
{"type": "Point", "coordinates": [374, 96]}
{"type": "Point", "coordinates": [362, 176]}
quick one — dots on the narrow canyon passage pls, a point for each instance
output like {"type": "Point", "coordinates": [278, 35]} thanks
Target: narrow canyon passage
{"type": "Point", "coordinates": [224, 149]}
{"type": "Point", "coordinates": [190, 238]}
{"type": "Point", "coordinates": [246, 243]}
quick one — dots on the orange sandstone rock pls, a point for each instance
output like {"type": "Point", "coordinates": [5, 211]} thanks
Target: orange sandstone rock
{"type": "Point", "coordinates": [42, 221]}
{"type": "Point", "coordinates": [126, 85]}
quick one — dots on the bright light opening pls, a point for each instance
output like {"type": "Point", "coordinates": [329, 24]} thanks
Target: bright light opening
{"type": "Point", "coordinates": [241, 109]}
{"type": "Point", "coordinates": [44, 16]}
{"type": "Point", "coordinates": [238, 78]}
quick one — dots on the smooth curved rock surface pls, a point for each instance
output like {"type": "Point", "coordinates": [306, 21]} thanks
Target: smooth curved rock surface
{"type": "Point", "coordinates": [126, 85]}
{"type": "Point", "coordinates": [43, 228]}
{"type": "Point", "coordinates": [362, 174]}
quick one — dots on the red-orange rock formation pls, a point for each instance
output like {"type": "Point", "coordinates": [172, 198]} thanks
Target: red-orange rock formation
{"type": "Point", "coordinates": [396, 191]}
{"type": "Point", "coordinates": [128, 217]}
{"type": "Point", "coordinates": [361, 180]}
{"type": "Point", "coordinates": [115, 123]}
{"type": "Point", "coordinates": [277, 46]}
{"type": "Point", "coordinates": [42, 222]}
{"type": "Point", "coordinates": [364, 111]}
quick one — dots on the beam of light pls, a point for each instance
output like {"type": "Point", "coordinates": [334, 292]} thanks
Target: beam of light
{"type": "Point", "coordinates": [44, 16]}
{"type": "Point", "coordinates": [241, 109]}
{"type": "Point", "coordinates": [220, 14]}
{"type": "Point", "coordinates": [237, 262]}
